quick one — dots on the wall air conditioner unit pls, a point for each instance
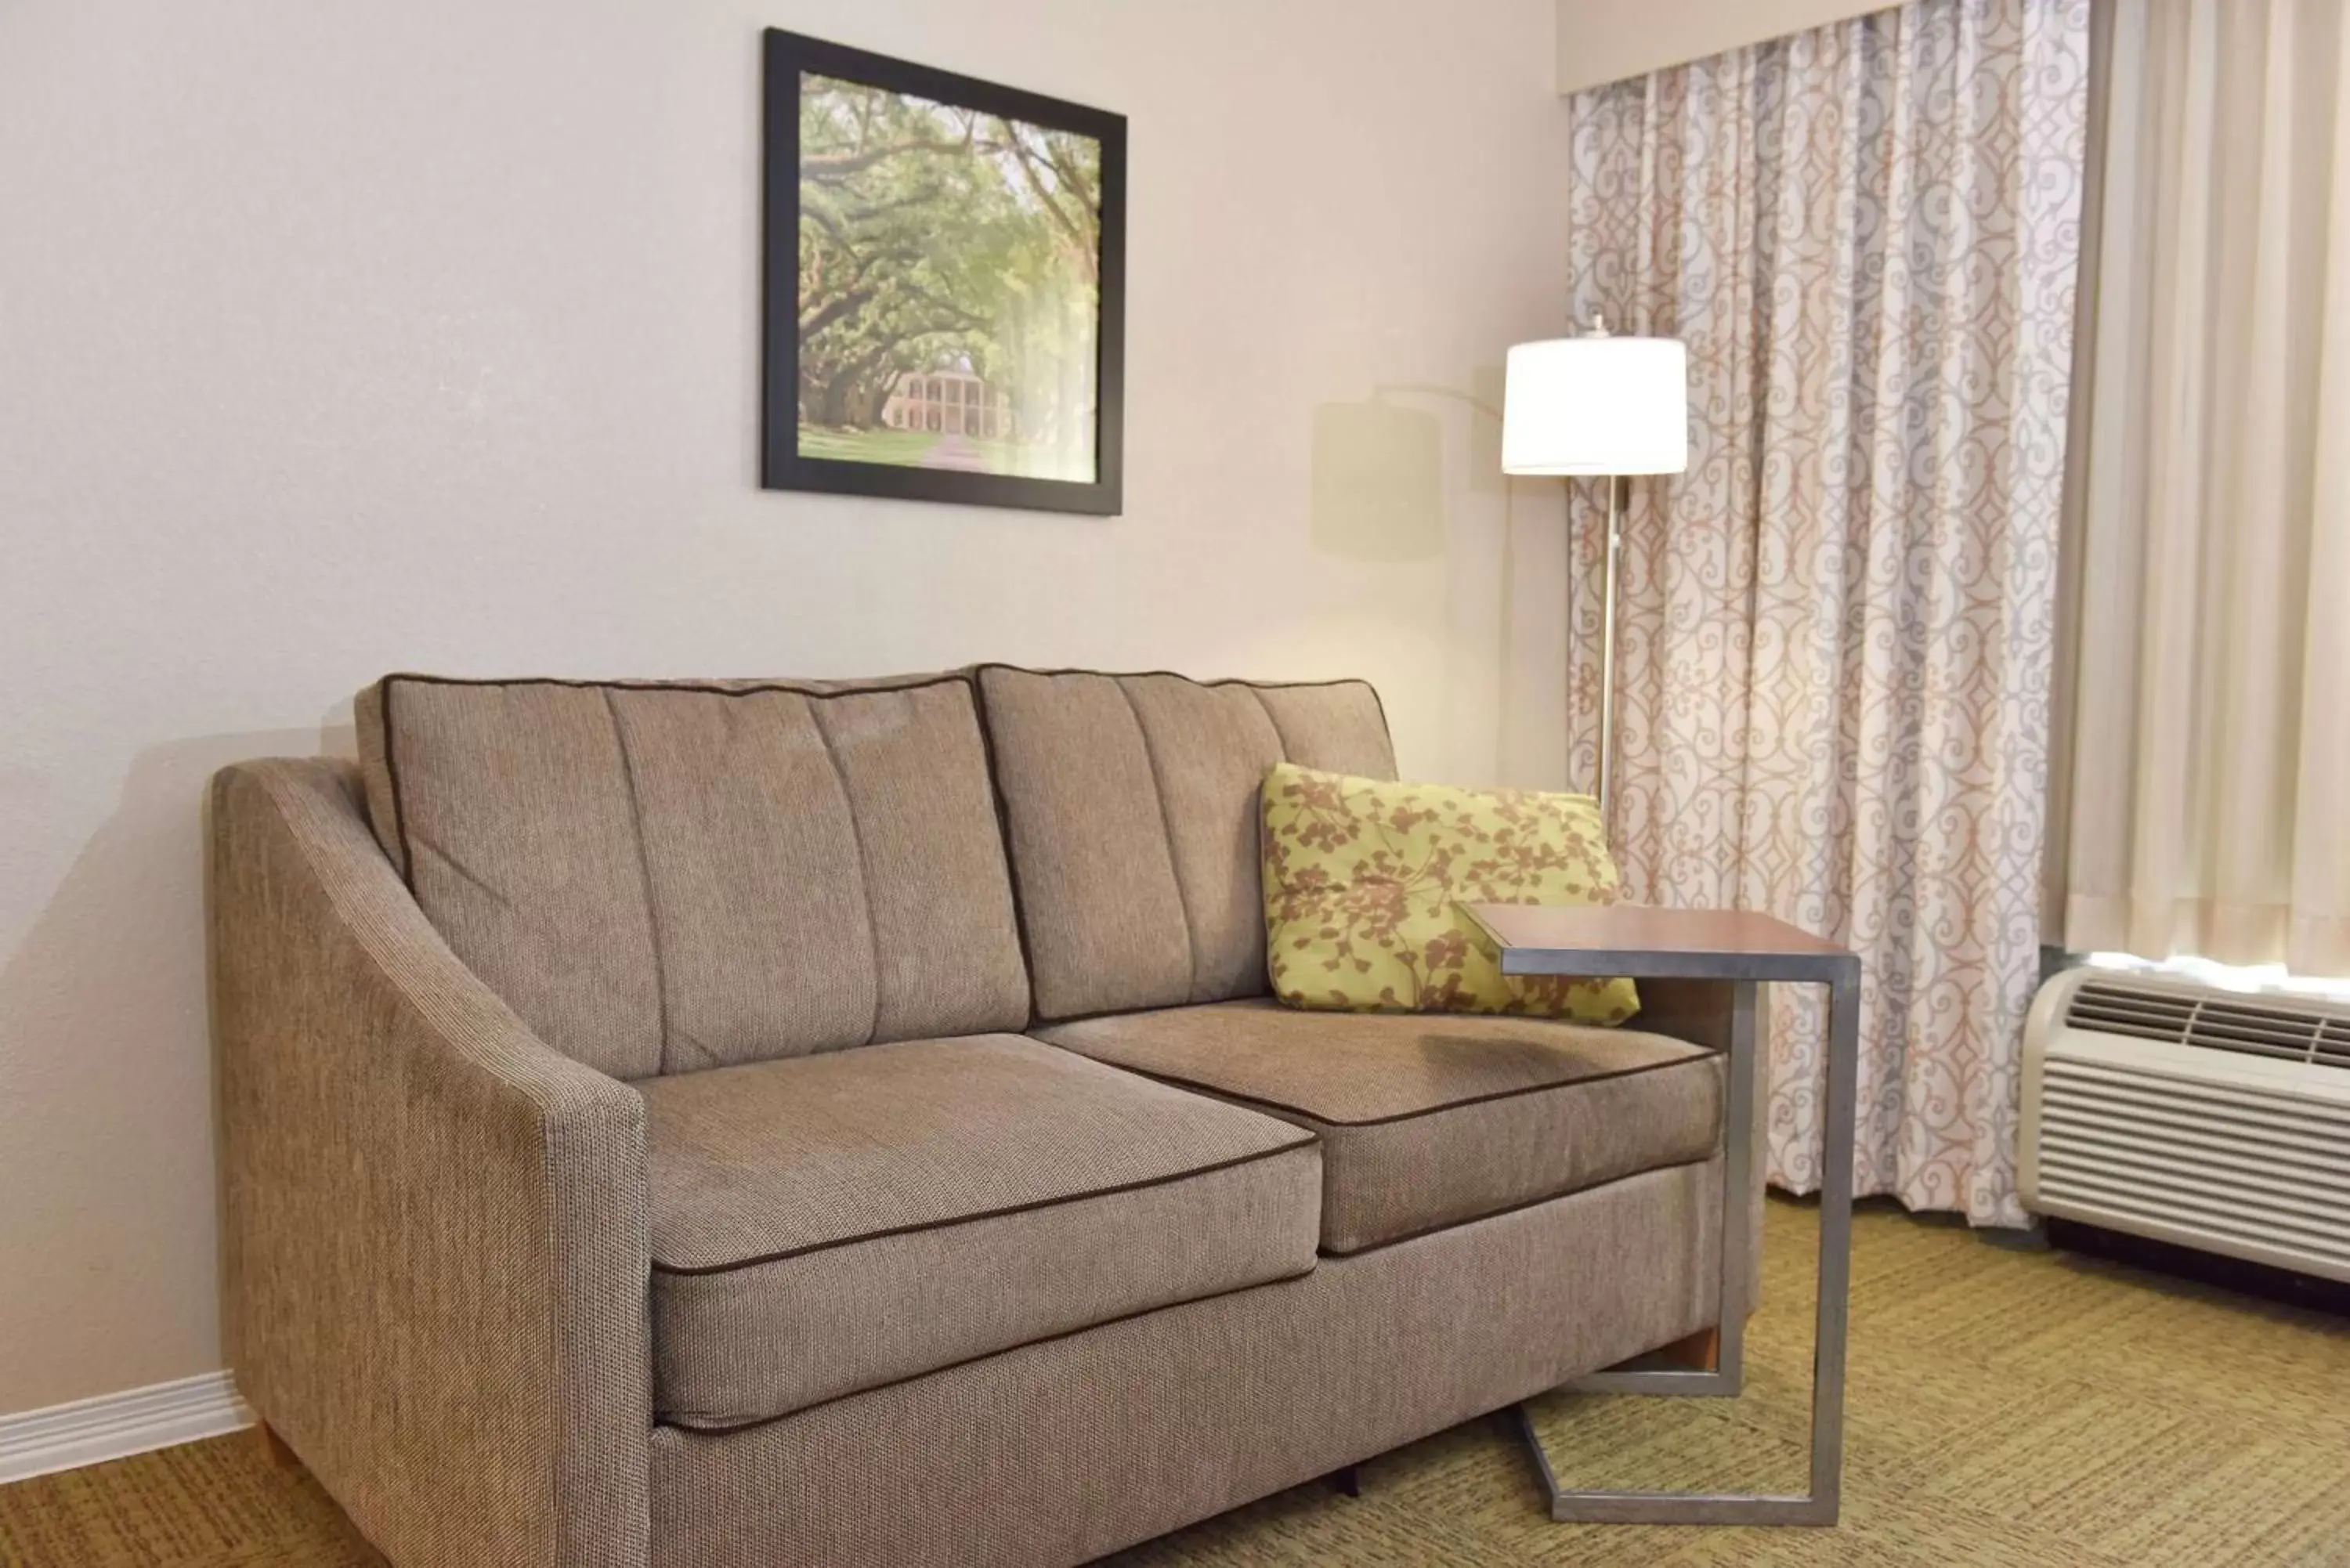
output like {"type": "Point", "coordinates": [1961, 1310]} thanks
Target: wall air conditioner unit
{"type": "Point", "coordinates": [2211, 1118]}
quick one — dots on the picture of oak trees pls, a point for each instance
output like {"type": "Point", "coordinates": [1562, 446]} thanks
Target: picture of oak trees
{"type": "Point", "coordinates": [950, 283]}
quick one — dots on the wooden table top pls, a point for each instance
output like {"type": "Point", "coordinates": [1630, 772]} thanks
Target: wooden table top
{"type": "Point", "coordinates": [1636, 938]}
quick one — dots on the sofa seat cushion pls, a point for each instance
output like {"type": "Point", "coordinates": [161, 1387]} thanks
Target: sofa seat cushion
{"type": "Point", "coordinates": [1429, 1120]}
{"type": "Point", "coordinates": [830, 1223]}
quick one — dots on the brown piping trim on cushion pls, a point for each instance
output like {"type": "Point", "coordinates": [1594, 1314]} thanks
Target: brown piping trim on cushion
{"type": "Point", "coordinates": [1181, 1083]}
{"type": "Point", "coordinates": [1125, 1187]}
{"type": "Point", "coordinates": [1067, 1019]}
{"type": "Point", "coordinates": [984, 1356]}
{"type": "Point", "coordinates": [981, 668]}
{"type": "Point", "coordinates": [1513, 1209]}
{"type": "Point", "coordinates": [1225, 679]}
{"type": "Point", "coordinates": [710, 687]}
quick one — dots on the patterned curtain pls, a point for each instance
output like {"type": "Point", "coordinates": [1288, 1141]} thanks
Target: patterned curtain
{"type": "Point", "coordinates": [1837, 626]}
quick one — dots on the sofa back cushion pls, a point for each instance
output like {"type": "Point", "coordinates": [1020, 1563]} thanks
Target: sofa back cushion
{"type": "Point", "coordinates": [1131, 804]}
{"type": "Point", "coordinates": [658, 877]}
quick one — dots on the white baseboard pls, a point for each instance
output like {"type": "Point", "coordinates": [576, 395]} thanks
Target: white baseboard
{"type": "Point", "coordinates": [117, 1425]}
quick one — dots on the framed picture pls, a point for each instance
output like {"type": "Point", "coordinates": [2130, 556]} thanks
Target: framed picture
{"type": "Point", "coordinates": [945, 282]}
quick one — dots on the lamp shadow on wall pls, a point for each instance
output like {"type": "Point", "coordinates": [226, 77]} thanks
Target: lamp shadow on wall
{"type": "Point", "coordinates": [1377, 474]}
{"type": "Point", "coordinates": [1379, 492]}
{"type": "Point", "coordinates": [1378, 483]}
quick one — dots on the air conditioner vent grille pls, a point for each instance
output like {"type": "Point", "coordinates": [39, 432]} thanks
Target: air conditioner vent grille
{"type": "Point", "coordinates": [2246, 1026]}
{"type": "Point", "coordinates": [2233, 1166]}
{"type": "Point", "coordinates": [2201, 1116]}
{"type": "Point", "coordinates": [2127, 1010]}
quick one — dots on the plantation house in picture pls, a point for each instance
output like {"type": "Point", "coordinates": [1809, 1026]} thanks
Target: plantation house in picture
{"type": "Point", "coordinates": [950, 286]}
{"type": "Point", "coordinates": [951, 401]}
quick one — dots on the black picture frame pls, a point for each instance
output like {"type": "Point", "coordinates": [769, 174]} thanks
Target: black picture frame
{"type": "Point", "coordinates": [783, 466]}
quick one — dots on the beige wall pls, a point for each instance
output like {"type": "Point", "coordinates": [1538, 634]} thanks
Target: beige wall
{"type": "Point", "coordinates": [1607, 40]}
{"type": "Point", "coordinates": [418, 333]}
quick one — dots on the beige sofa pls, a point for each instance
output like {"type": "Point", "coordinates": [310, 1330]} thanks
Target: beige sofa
{"type": "Point", "coordinates": [738, 1123]}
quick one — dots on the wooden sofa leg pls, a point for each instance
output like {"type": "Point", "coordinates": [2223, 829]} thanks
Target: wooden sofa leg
{"type": "Point", "coordinates": [1702, 1351]}
{"type": "Point", "coordinates": [274, 1451]}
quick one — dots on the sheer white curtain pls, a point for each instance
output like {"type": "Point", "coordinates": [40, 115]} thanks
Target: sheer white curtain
{"type": "Point", "coordinates": [2209, 791]}
{"type": "Point", "coordinates": [1839, 625]}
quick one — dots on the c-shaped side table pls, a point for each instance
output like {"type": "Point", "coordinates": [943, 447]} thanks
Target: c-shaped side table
{"type": "Point", "coordinates": [1744, 952]}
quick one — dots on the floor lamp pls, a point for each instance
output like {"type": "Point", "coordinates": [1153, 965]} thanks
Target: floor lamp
{"type": "Point", "coordinates": [1598, 405]}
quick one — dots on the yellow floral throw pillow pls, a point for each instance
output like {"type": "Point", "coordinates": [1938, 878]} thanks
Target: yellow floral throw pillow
{"type": "Point", "coordinates": [1361, 875]}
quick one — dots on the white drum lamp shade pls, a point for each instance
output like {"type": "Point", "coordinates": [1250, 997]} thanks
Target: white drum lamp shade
{"type": "Point", "coordinates": [1597, 405]}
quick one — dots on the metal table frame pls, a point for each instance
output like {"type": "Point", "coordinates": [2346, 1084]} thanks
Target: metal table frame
{"type": "Point", "coordinates": [1746, 973]}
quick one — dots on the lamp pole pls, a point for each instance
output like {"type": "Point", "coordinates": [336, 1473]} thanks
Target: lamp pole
{"type": "Point", "coordinates": [1607, 781]}
{"type": "Point", "coordinates": [1593, 405]}
{"type": "Point", "coordinates": [1607, 657]}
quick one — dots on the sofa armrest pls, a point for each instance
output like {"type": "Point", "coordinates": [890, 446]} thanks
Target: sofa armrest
{"type": "Point", "coordinates": [435, 1235]}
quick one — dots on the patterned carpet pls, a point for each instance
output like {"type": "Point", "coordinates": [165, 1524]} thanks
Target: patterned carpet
{"type": "Point", "coordinates": [2007, 1409]}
